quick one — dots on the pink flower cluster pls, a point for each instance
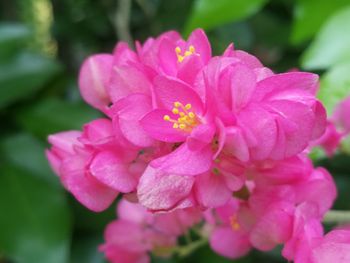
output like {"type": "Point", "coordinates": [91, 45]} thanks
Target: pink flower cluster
{"type": "Point", "coordinates": [185, 130]}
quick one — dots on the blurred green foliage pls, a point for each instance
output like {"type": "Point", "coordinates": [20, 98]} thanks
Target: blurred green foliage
{"type": "Point", "coordinates": [42, 45]}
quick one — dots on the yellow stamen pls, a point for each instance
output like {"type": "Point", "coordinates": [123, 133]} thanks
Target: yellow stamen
{"type": "Point", "coordinates": [180, 57]}
{"type": "Point", "coordinates": [234, 223]}
{"type": "Point", "coordinates": [186, 120]}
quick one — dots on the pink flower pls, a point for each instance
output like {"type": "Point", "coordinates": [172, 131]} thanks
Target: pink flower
{"type": "Point", "coordinates": [333, 247]}
{"type": "Point", "coordinates": [265, 115]}
{"type": "Point", "coordinates": [341, 115]}
{"type": "Point", "coordinates": [137, 232]}
{"type": "Point", "coordinates": [93, 166]}
{"type": "Point", "coordinates": [227, 237]}
{"type": "Point", "coordinates": [330, 140]}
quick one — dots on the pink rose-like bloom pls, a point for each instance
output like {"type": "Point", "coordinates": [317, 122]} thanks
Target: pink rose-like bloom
{"type": "Point", "coordinates": [93, 165]}
{"type": "Point", "coordinates": [137, 232]}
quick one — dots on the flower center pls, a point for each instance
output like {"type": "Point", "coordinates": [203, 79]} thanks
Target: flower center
{"type": "Point", "coordinates": [181, 56]}
{"type": "Point", "coordinates": [187, 119]}
{"type": "Point", "coordinates": [234, 223]}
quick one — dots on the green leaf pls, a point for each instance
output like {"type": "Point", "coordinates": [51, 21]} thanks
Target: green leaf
{"type": "Point", "coordinates": [309, 16]}
{"type": "Point", "coordinates": [25, 74]}
{"type": "Point", "coordinates": [335, 86]}
{"type": "Point", "coordinates": [54, 115]}
{"type": "Point", "coordinates": [208, 14]}
{"type": "Point", "coordinates": [331, 46]}
{"type": "Point", "coordinates": [34, 223]}
{"type": "Point", "coordinates": [25, 151]}
{"type": "Point", "coordinates": [85, 249]}
{"type": "Point", "coordinates": [12, 37]}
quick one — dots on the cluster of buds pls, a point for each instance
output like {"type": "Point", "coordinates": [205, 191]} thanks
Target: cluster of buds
{"type": "Point", "coordinates": [189, 139]}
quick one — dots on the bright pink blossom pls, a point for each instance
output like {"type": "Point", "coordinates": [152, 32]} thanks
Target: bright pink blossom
{"type": "Point", "coordinates": [137, 232]}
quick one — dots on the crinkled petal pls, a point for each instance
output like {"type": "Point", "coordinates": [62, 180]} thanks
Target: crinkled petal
{"type": "Point", "coordinates": [158, 190]}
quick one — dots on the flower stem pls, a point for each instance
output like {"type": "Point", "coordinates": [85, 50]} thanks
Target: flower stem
{"type": "Point", "coordinates": [337, 217]}
{"type": "Point", "coordinates": [190, 248]}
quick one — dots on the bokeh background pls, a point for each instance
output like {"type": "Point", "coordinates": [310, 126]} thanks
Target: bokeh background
{"type": "Point", "coordinates": [42, 45]}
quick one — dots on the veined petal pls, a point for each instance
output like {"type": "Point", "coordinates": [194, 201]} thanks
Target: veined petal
{"type": "Point", "coordinates": [158, 190]}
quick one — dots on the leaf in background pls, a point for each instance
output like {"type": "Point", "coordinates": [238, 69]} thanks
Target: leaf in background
{"type": "Point", "coordinates": [26, 152]}
{"type": "Point", "coordinates": [25, 74]}
{"type": "Point", "coordinates": [12, 37]}
{"type": "Point", "coordinates": [85, 249]}
{"type": "Point", "coordinates": [34, 222]}
{"type": "Point", "coordinates": [208, 14]}
{"type": "Point", "coordinates": [335, 86]}
{"type": "Point", "coordinates": [332, 43]}
{"type": "Point", "coordinates": [309, 15]}
{"type": "Point", "coordinates": [54, 115]}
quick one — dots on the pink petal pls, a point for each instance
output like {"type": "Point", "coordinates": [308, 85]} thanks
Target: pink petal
{"type": "Point", "coordinates": [158, 190]}
{"type": "Point", "coordinates": [302, 118]}
{"type": "Point", "coordinates": [201, 44]}
{"type": "Point", "coordinates": [184, 161]}
{"type": "Point", "coordinates": [169, 90]}
{"type": "Point", "coordinates": [211, 190]}
{"type": "Point", "coordinates": [111, 171]}
{"type": "Point", "coordinates": [261, 124]}
{"type": "Point", "coordinates": [275, 227]}
{"type": "Point", "coordinates": [126, 80]}
{"type": "Point", "coordinates": [131, 111]}
{"type": "Point", "coordinates": [89, 191]}
{"type": "Point", "coordinates": [201, 136]}
{"type": "Point", "coordinates": [243, 82]}
{"type": "Point", "coordinates": [286, 81]}
{"type": "Point", "coordinates": [236, 144]}
{"type": "Point", "coordinates": [93, 80]}
{"type": "Point", "coordinates": [229, 243]}
{"type": "Point", "coordinates": [156, 127]}
{"type": "Point", "coordinates": [65, 140]}
{"type": "Point", "coordinates": [132, 212]}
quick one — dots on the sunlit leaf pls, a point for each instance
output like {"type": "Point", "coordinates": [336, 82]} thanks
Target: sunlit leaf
{"type": "Point", "coordinates": [332, 43]}
{"type": "Point", "coordinates": [335, 86]}
{"type": "Point", "coordinates": [208, 14]}
{"type": "Point", "coordinates": [309, 15]}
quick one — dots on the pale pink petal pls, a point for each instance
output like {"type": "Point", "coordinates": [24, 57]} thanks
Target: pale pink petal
{"type": "Point", "coordinates": [132, 212]}
{"type": "Point", "coordinates": [161, 191]}
{"type": "Point", "coordinates": [93, 80]}
{"type": "Point", "coordinates": [65, 140]}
